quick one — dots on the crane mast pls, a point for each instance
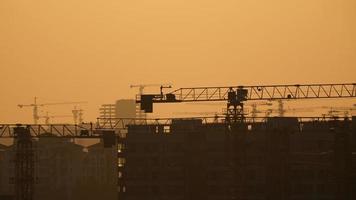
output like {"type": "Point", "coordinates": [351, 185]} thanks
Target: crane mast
{"type": "Point", "coordinates": [235, 96]}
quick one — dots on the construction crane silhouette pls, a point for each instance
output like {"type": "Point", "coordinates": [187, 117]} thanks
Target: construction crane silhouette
{"type": "Point", "coordinates": [36, 106]}
{"type": "Point", "coordinates": [141, 88]}
{"type": "Point", "coordinates": [235, 96]}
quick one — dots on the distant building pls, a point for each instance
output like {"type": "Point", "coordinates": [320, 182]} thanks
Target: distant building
{"type": "Point", "coordinates": [126, 108]}
{"type": "Point", "coordinates": [63, 170]}
{"type": "Point", "coordinates": [123, 108]}
{"type": "Point", "coordinates": [107, 111]}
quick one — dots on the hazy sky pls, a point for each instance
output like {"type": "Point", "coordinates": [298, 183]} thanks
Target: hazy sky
{"type": "Point", "coordinates": [73, 50]}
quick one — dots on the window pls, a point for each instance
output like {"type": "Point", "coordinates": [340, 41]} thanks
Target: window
{"type": "Point", "coordinates": [121, 162]}
{"type": "Point", "coordinates": [157, 129]}
{"type": "Point", "coordinates": [166, 129]}
{"type": "Point", "coordinates": [120, 147]}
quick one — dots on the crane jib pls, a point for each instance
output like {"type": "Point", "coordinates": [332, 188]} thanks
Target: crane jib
{"type": "Point", "coordinates": [236, 95]}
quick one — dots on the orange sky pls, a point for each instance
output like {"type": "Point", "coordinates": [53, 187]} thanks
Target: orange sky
{"type": "Point", "coordinates": [73, 50]}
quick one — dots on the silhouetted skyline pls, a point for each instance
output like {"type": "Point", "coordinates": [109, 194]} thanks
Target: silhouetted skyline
{"type": "Point", "coordinates": [92, 51]}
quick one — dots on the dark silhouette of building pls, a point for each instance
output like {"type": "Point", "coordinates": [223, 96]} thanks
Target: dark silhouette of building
{"type": "Point", "coordinates": [280, 158]}
{"type": "Point", "coordinates": [6, 174]}
{"type": "Point", "coordinates": [64, 170]}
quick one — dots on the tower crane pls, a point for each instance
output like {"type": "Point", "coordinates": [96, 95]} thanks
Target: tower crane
{"type": "Point", "coordinates": [36, 105]}
{"type": "Point", "coordinates": [235, 96]}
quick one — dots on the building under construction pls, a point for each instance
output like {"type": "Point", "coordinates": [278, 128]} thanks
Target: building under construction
{"type": "Point", "coordinates": [228, 157]}
{"type": "Point", "coordinates": [276, 158]}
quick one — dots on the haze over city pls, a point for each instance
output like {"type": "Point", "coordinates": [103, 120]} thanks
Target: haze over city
{"type": "Point", "coordinates": [177, 99]}
{"type": "Point", "coordinates": [93, 50]}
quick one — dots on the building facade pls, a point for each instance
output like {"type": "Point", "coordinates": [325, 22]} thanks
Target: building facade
{"type": "Point", "coordinates": [281, 158]}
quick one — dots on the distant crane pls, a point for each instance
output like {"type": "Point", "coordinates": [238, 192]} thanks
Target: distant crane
{"type": "Point", "coordinates": [337, 111]}
{"type": "Point", "coordinates": [280, 109]}
{"type": "Point", "coordinates": [48, 117]}
{"type": "Point", "coordinates": [36, 105]}
{"type": "Point", "coordinates": [332, 112]}
{"type": "Point", "coordinates": [141, 87]}
{"type": "Point", "coordinates": [254, 110]}
{"type": "Point", "coordinates": [270, 111]}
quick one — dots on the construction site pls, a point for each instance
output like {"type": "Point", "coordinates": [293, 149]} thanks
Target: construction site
{"type": "Point", "coordinates": [234, 155]}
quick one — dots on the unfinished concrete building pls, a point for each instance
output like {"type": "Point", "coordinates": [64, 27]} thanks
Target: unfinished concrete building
{"type": "Point", "coordinates": [278, 158]}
